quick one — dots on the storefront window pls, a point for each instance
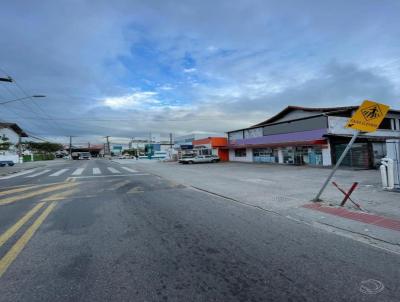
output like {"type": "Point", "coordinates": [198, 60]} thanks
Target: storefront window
{"type": "Point", "coordinates": [204, 151]}
{"type": "Point", "coordinates": [240, 152]}
{"type": "Point", "coordinates": [265, 155]}
{"type": "Point", "coordinates": [288, 155]}
{"type": "Point", "coordinates": [314, 156]}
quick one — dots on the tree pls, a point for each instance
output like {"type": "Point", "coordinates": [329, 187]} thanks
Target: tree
{"type": "Point", "coordinates": [44, 147]}
{"type": "Point", "coordinates": [131, 152]}
{"type": "Point", "coordinates": [5, 143]}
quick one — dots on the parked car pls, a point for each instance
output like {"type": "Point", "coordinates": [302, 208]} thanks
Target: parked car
{"type": "Point", "coordinates": [6, 162]}
{"type": "Point", "coordinates": [200, 159]}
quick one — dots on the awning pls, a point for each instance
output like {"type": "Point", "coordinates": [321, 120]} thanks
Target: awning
{"type": "Point", "coordinates": [285, 144]}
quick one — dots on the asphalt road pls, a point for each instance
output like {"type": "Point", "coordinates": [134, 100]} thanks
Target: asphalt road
{"type": "Point", "coordinates": [100, 231]}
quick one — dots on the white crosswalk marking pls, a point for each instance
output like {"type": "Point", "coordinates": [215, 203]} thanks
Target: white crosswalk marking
{"type": "Point", "coordinates": [96, 171]}
{"type": "Point", "coordinates": [129, 169]}
{"type": "Point", "coordinates": [58, 173]}
{"type": "Point", "coordinates": [17, 174]}
{"type": "Point", "coordinates": [112, 170]}
{"type": "Point", "coordinates": [39, 173]}
{"type": "Point", "coordinates": [78, 171]}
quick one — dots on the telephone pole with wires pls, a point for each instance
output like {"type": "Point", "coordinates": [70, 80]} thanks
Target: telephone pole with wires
{"type": "Point", "coordinates": [108, 145]}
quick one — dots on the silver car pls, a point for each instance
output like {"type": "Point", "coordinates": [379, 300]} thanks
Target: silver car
{"type": "Point", "coordinates": [200, 159]}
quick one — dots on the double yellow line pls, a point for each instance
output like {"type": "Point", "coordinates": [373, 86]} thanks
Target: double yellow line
{"type": "Point", "coordinates": [51, 188]}
{"type": "Point", "coordinates": [14, 251]}
{"type": "Point", "coordinates": [10, 256]}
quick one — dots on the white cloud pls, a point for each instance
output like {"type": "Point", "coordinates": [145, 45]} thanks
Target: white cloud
{"type": "Point", "coordinates": [134, 100]}
{"type": "Point", "coordinates": [166, 87]}
{"type": "Point", "coordinates": [189, 70]}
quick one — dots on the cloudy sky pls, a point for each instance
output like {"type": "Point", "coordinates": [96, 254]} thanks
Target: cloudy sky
{"type": "Point", "coordinates": [125, 68]}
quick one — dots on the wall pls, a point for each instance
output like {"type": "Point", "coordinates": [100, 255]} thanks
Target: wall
{"type": "Point", "coordinates": [13, 137]}
{"type": "Point", "coordinates": [235, 135]}
{"type": "Point", "coordinates": [223, 154]}
{"type": "Point", "coordinates": [248, 158]}
{"type": "Point", "coordinates": [336, 125]}
{"type": "Point", "coordinates": [319, 122]}
{"type": "Point", "coordinates": [311, 135]}
{"type": "Point", "coordinates": [254, 132]}
{"type": "Point", "coordinates": [295, 115]}
{"type": "Point", "coordinates": [326, 156]}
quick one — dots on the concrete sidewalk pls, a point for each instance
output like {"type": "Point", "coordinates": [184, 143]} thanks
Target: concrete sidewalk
{"type": "Point", "coordinates": [286, 189]}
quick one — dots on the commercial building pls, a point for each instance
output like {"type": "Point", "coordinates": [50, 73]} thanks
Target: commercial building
{"type": "Point", "coordinates": [311, 136]}
{"type": "Point", "coordinates": [212, 146]}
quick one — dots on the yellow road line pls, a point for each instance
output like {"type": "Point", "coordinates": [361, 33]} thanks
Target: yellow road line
{"type": "Point", "coordinates": [11, 231]}
{"type": "Point", "coordinates": [12, 199]}
{"type": "Point", "coordinates": [17, 190]}
{"type": "Point", "coordinates": [60, 196]}
{"type": "Point", "coordinates": [118, 185]}
{"type": "Point", "coordinates": [137, 189]}
{"type": "Point", "coordinates": [8, 258]}
{"type": "Point", "coordinates": [5, 189]}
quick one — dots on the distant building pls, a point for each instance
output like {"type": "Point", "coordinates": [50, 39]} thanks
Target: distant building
{"type": "Point", "coordinates": [311, 136]}
{"type": "Point", "coordinates": [184, 144]}
{"type": "Point", "coordinates": [212, 146]}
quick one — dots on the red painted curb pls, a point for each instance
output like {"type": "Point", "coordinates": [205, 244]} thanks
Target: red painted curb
{"type": "Point", "coordinates": [380, 221]}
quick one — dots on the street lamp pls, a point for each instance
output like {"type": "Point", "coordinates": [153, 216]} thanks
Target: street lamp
{"type": "Point", "coordinates": [7, 79]}
{"type": "Point", "coordinates": [24, 98]}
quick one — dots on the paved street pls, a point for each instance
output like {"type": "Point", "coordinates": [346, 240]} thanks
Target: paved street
{"type": "Point", "coordinates": [102, 231]}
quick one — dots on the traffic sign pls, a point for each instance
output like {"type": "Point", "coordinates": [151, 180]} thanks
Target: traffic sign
{"type": "Point", "coordinates": [368, 116]}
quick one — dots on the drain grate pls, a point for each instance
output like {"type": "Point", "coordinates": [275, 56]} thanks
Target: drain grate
{"type": "Point", "coordinates": [280, 198]}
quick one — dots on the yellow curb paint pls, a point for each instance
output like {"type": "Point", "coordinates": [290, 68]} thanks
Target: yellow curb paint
{"type": "Point", "coordinates": [12, 230]}
{"type": "Point", "coordinates": [12, 199]}
{"type": "Point", "coordinates": [8, 258]}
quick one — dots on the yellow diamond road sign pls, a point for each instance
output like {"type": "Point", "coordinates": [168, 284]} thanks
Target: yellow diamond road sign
{"type": "Point", "coordinates": [368, 116]}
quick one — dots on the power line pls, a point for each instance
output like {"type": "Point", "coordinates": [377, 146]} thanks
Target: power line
{"type": "Point", "coordinates": [13, 110]}
{"type": "Point", "coordinates": [132, 120]}
{"type": "Point", "coordinates": [34, 103]}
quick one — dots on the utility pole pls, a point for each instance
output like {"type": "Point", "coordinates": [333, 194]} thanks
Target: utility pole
{"type": "Point", "coordinates": [20, 156]}
{"type": "Point", "coordinates": [108, 145]}
{"type": "Point", "coordinates": [70, 147]}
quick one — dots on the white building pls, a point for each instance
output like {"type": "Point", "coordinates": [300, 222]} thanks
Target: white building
{"type": "Point", "coordinates": [13, 134]}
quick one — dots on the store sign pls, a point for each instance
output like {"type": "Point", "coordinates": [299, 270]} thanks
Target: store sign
{"type": "Point", "coordinates": [368, 116]}
{"type": "Point", "coordinates": [186, 147]}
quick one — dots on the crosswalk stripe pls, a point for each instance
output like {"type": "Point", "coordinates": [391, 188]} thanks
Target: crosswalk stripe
{"type": "Point", "coordinates": [96, 171]}
{"type": "Point", "coordinates": [112, 170]}
{"type": "Point", "coordinates": [17, 174]}
{"type": "Point", "coordinates": [58, 173]}
{"type": "Point", "coordinates": [78, 171]}
{"type": "Point", "coordinates": [129, 169]}
{"type": "Point", "coordinates": [39, 173]}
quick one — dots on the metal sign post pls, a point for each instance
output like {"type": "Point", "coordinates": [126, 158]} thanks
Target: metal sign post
{"type": "Point", "coordinates": [337, 165]}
